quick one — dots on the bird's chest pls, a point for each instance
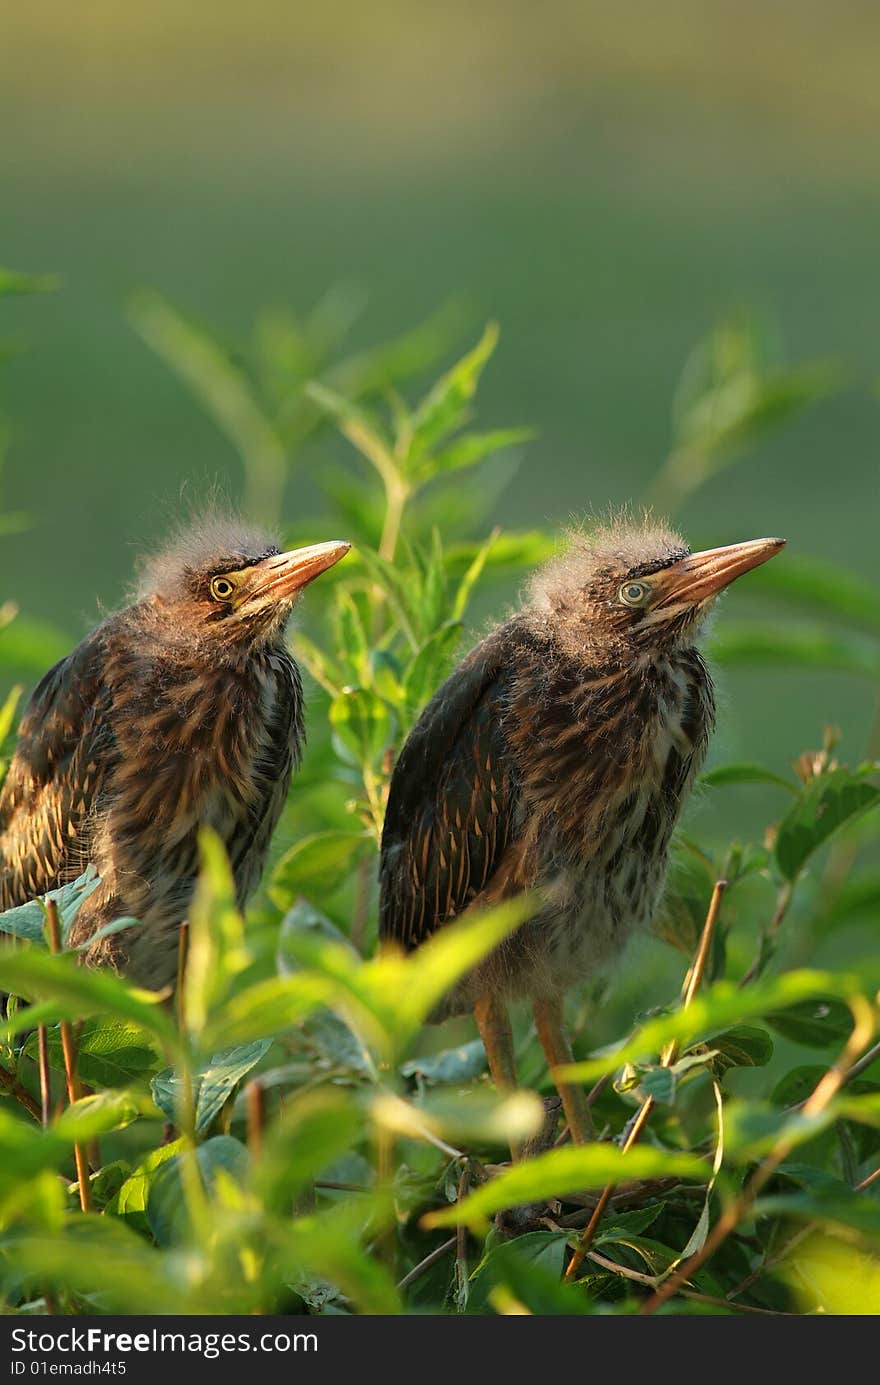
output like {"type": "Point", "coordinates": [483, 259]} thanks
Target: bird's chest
{"type": "Point", "coordinates": [603, 835]}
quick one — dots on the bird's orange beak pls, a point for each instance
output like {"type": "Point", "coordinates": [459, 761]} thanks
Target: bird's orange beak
{"type": "Point", "coordinates": [287, 573]}
{"type": "Point", "coordinates": [703, 575]}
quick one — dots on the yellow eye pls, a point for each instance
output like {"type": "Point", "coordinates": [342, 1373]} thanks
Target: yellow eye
{"type": "Point", "coordinates": [634, 593]}
{"type": "Point", "coordinates": [221, 588]}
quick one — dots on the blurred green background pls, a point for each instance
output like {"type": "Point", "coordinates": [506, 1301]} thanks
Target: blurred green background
{"type": "Point", "coordinates": [606, 181]}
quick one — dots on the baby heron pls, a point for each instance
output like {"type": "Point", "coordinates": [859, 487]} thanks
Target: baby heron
{"type": "Point", "coordinates": [558, 756]}
{"type": "Point", "coordinates": [183, 710]}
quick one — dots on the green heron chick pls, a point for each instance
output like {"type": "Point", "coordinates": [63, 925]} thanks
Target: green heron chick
{"type": "Point", "coordinates": [558, 757]}
{"type": "Point", "coordinates": [183, 710]}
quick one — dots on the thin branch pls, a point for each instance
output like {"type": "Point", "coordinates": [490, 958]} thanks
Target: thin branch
{"type": "Point", "coordinates": [424, 1265]}
{"type": "Point", "coordinates": [823, 1093]}
{"type": "Point", "coordinates": [866, 1182]}
{"type": "Point", "coordinates": [68, 1048]}
{"type": "Point", "coordinates": [691, 985]}
{"type": "Point", "coordinates": [255, 1100]}
{"type": "Point", "coordinates": [13, 1087]}
{"type": "Point", "coordinates": [182, 955]}
{"type": "Point", "coordinates": [864, 1062]}
{"type": "Point", "coordinates": [45, 1077]}
{"type": "Point", "coordinates": [783, 903]}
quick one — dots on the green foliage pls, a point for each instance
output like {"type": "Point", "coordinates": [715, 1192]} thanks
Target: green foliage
{"type": "Point", "coordinates": [322, 1143]}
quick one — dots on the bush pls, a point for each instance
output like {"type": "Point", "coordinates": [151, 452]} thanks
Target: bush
{"type": "Point", "coordinates": [289, 1139]}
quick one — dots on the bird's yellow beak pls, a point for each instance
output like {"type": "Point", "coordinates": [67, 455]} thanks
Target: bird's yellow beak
{"type": "Point", "coordinates": [703, 575]}
{"type": "Point", "coordinates": [288, 573]}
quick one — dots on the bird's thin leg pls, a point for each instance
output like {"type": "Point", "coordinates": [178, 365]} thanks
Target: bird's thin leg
{"type": "Point", "coordinates": [554, 1039]}
{"type": "Point", "coordinates": [493, 1022]}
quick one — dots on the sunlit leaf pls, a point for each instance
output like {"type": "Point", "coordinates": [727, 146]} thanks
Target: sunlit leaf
{"type": "Point", "coordinates": [720, 1006]}
{"type": "Point", "coordinates": [317, 865]}
{"type": "Point", "coordinates": [566, 1170]}
{"type": "Point", "coordinates": [746, 774]}
{"type": "Point", "coordinates": [825, 804]}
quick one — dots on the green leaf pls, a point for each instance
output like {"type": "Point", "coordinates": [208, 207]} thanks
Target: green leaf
{"type": "Point", "coordinates": [443, 408]}
{"type": "Point", "coordinates": [28, 921]}
{"type": "Point", "coordinates": [508, 551]}
{"type": "Point", "coordinates": [109, 1053]}
{"type": "Point", "coordinates": [79, 994]}
{"type": "Point", "coordinates": [92, 1116]}
{"type": "Point", "coordinates": [267, 1008]}
{"type": "Point", "coordinates": [622, 1226]}
{"type": "Point", "coordinates": [428, 668]}
{"type": "Point", "coordinates": [530, 1269]}
{"type": "Point", "coordinates": [451, 1066]}
{"type": "Point", "coordinates": [745, 774]}
{"type": "Point", "coordinates": [100, 1256]}
{"type": "Point", "coordinates": [212, 1083]}
{"type": "Point", "coordinates": [32, 644]}
{"type": "Point", "coordinates": [752, 1128]}
{"type": "Point", "coordinates": [317, 866]}
{"type": "Point", "coordinates": [826, 804]}
{"type": "Point", "coordinates": [12, 282]}
{"type": "Point", "coordinates": [465, 451]}
{"type": "Point", "coordinates": [566, 1170]}
{"type": "Point", "coordinates": [167, 1211]}
{"type": "Point", "coordinates": [720, 1006]}
{"type": "Point", "coordinates": [743, 1046]}
{"type": "Point", "coordinates": [796, 647]}
{"type": "Point", "coordinates": [397, 587]}
{"type": "Point", "coordinates": [7, 712]}
{"type": "Point", "coordinates": [217, 950]}
{"type": "Point", "coordinates": [351, 636]}
{"type": "Point", "coordinates": [219, 385]}
{"type": "Point", "coordinates": [362, 431]}
{"type": "Point", "coordinates": [842, 1207]}
{"type": "Point", "coordinates": [361, 722]}
{"type": "Point", "coordinates": [816, 1023]}
{"type": "Point", "coordinates": [314, 1130]}
{"type": "Point", "coordinates": [130, 1203]}
{"type": "Point", "coordinates": [452, 952]}
{"type": "Point", "coordinates": [335, 1041]}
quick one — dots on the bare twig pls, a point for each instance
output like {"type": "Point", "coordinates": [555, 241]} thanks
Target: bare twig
{"type": "Point", "coordinates": [461, 1239]}
{"type": "Point", "coordinates": [255, 1099]}
{"type": "Point", "coordinates": [45, 1077]}
{"type": "Point", "coordinates": [68, 1048]}
{"type": "Point", "coordinates": [691, 984]}
{"type": "Point", "coordinates": [424, 1265]}
{"type": "Point", "coordinates": [864, 1062]}
{"type": "Point", "coordinates": [866, 1182]}
{"type": "Point", "coordinates": [823, 1093]}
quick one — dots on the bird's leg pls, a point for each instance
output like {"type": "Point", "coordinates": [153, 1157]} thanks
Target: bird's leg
{"type": "Point", "coordinates": [493, 1022]}
{"type": "Point", "coordinates": [552, 1033]}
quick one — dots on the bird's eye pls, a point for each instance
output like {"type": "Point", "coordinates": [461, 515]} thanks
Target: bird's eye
{"type": "Point", "coordinates": [634, 593]}
{"type": "Point", "coordinates": [221, 588]}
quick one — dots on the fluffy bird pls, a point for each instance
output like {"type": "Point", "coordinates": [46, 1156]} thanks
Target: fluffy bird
{"type": "Point", "coordinates": [183, 710]}
{"type": "Point", "coordinates": [558, 757]}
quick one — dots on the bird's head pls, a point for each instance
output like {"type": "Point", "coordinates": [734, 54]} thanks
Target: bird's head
{"type": "Point", "coordinates": [630, 590]}
{"type": "Point", "coordinates": [230, 586]}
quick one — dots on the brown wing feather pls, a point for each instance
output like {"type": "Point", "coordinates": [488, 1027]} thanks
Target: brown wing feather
{"type": "Point", "coordinates": [49, 795]}
{"type": "Point", "coordinates": [452, 803]}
